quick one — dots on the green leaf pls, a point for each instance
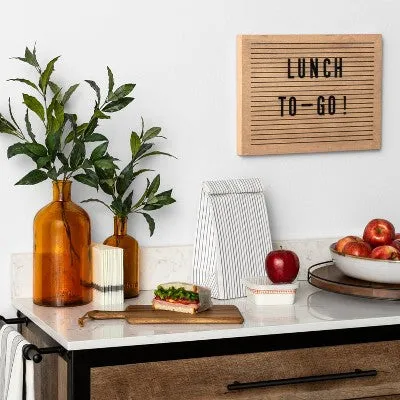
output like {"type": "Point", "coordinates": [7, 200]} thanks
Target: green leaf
{"type": "Point", "coordinates": [145, 147]}
{"type": "Point", "coordinates": [91, 126]}
{"type": "Point", "coordinates": [99, 151]}
{"type": "Point", "coordinates": [161, 200]}
{"type": "Point", "coordinates": [104, 163]}
{"type": "Point", "coordinates": [29, 126]}
{"type": "Point", "coordinates": [26, 81]}
{"type": "Point", "coordinates": [94, 86]}
{"type": "Point", "coordinates": [154, 153]}
{"type": "Point", "coordinates": [12, 116]}
{"type": "Point", "coordinates": [36, 149]}
{"type": "Point", "coordinates": [52, 174]}
{"type": "Point", "coordinates": [18, 148]}
{"type": "Point", "coordinates": [135, 143]}
{"type": "Point", "coordinates": [62, 158]}
{"type": "Point", "coordinates": [33, 177]}
{"type": "Point", "coordinates": [117, 206]}
{"type": "Point", "coordinates": [54, 88]}
{"type": "Point", "coordinates": [30, 57]}
{"type": "Point", "coordinates": [95, 137]}
{"type": "Point", "coordinates": [76, 130]}
{"type": "Point", "coordinates": [107, 186]}
{"type": "Point", "coordinates": [59, 112]}
{"type": "Point", "coordinates": [150, 221]}
{"type": "Point", "coordinates": [117, 105]}
{"type": "Point", "coordinates": [70, 137]}
{"type": "Point", "coordinates": [140, 171]}
{"type": "Point", "coordinates": [7, 127]}
{"type": "Point", "coordinates": [42, 162]}
{"type": "Point", "coordinates": [45, 76]}
{"type": "Point", "coordinates": [77, 155]}
{"type": "Point", "coordinates": [152, 207]}
{"type": "Point", "coordinates": [69, 93]}
{"type": "Point", "coordinates": [152, 189]}
{"type": "Point", "coordinates": [34, 104]}
{"type": "Point", "coordinates": [127, 203]}
{"type": "Point", "coordinates": [121, 92]}
{"type": "Point", "coordinates": [87, 179]}
{"type": "Point", "coordinates": [151, 133]}
{"type": "Point", "coordinates": [96, 201]}
{"type": "Point", "coordinates": [99, 114]}
{"type": "Point", "coordinates": [52, 141]}
{"type": "Point", "coordinates": [110, 83]}
{"type": "Point", "coordinates": [87, 164]}
{"type": "Point", "coordinates": [123, 182]}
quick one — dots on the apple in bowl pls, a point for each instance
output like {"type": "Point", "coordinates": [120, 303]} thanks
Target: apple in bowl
{"type": "Point", "coordinates": [379, 232]}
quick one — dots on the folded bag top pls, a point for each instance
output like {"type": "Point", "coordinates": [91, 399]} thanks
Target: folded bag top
{"type": "Point", "coordinates": [233, 186]}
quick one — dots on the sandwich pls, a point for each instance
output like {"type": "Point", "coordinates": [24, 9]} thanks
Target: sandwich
{"type": "Point", "coordinates": [181, 297]}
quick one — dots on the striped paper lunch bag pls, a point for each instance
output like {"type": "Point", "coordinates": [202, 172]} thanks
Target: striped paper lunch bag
{"type": "Point", "coordinates": [232, 236]}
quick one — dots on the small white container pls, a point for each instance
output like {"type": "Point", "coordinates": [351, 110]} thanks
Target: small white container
{"type": "Point", "coordinates": [263, 292]}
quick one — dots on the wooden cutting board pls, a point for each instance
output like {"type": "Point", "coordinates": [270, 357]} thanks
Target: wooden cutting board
{"type": "Point", "coordinates": [218, 314]}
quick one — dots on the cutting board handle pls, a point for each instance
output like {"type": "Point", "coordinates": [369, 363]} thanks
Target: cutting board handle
{"type": "Point", "coordinates": [99, 314]}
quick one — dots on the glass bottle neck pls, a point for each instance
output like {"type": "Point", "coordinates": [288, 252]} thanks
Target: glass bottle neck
{"type": "Point", "coordinates": [120, 226]}
{"type": "Point", "coordinates": [62, 191]}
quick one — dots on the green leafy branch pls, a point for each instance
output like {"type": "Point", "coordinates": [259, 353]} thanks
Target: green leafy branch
{"type": "Point", "coordinates": [63, 153]}
{"type": "Point", "coordinates": [117, 184]}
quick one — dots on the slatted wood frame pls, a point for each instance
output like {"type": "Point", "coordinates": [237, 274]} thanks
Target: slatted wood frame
{"type": "Point", "coordinates": [347, 74]}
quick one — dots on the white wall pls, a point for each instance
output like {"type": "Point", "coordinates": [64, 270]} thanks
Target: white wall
{"type": "Point", "coordinates": [182, 56]}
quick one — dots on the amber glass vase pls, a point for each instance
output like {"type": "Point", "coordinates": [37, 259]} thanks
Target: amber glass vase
{"type": "Point", "coordinates": [131, 255]}
{"type": "Point", "coordinates": [61, 264]}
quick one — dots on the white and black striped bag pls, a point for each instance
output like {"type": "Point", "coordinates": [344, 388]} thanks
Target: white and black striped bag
{"type": "Point", "coordinates": [232, 237]}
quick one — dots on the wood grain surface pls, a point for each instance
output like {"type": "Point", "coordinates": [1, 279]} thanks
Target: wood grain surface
{"type": "Point", "coordinates": [206, 378]}
{"type": "Point", "coordinates": [330, 278]}
{"type": "Point", "coordinates": [308, 93]}
{"type": "Point", "coordinates": [218, 314]}
{"type": "Point", "coordinates": [144, 314]}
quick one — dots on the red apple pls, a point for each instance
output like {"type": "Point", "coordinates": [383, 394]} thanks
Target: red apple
{"type": "Point", "coordinates": [385, 253]}
{"type": "Point", "coordinates": [379, 232]}
{"type": "Point", "coordinates": [396, 244]}
{"type": "Point", "coordinates": [397, 235]}
{"type": "Point", "coordinates": [347, 239]}
{"type": "Point", "coordinates": [358, 249]}
{"type": "Point", "coordinates": [282, 266]}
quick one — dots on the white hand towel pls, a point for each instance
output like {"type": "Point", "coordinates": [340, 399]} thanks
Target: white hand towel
{"type": "Point", "coordinates": [13, 386]}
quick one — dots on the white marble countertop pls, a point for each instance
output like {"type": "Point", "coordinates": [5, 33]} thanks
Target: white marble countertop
{"type": "Point", "coordinates": [314, 310]}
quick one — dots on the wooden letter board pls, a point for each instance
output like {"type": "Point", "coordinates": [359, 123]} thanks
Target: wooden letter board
{"type": "Point", "coordinates": [309, 93]}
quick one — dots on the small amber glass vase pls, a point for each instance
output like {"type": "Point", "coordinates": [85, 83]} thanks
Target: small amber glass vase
{"type": "Point", "coordinates": [61, 263]}
{"type": "Point", "coordinates": [131, 255]}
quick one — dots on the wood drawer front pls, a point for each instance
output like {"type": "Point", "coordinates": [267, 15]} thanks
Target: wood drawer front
{"type": "Point", "coordinates": [207, 378]}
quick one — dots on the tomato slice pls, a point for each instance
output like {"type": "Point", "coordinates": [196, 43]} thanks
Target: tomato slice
{"type": "Point", "coordinates": [180, 301]}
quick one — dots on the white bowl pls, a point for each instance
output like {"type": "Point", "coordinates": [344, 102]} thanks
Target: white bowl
{"type": "Point", "coordinates": [261, 291]}
{"type": "Point", "coordinates": [367, 269]}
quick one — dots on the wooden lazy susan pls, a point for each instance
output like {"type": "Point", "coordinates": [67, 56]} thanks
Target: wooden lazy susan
{"type": "Point", "coordinates": [327, 276]}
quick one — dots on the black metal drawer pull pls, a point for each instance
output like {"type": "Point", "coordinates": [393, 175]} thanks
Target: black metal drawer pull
{"type": "Point", "coordinates": [358, 373]}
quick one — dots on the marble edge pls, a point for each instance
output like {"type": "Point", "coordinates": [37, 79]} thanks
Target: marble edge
{"type": "Point", "coordinates": [219, 331]}
{"type": "Point", "coordinates": [231, 333]}
{"type": "Point", "coordinates": [18, 304]}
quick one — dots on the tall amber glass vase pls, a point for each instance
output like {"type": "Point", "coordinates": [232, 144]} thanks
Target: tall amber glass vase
{"type": "Point", "coordinates": [121, 239]}
{"type": "Point", "coordinates": [61, 264]}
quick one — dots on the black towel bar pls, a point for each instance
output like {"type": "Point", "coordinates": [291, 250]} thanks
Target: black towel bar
{"type": "Point", "coordinates": [30, 351]}
{"type": "Point", "coordinates": [19, 320]}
